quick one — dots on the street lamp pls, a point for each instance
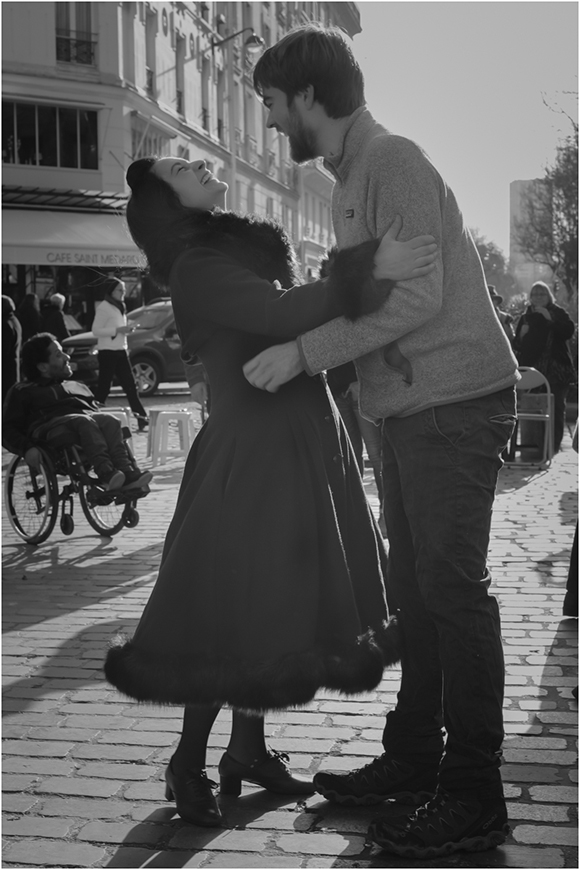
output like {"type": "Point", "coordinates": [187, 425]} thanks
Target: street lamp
{"type": "Point", "coordinates": [254, 44]}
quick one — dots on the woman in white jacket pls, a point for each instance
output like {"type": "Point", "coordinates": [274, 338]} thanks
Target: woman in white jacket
{"type": "Point", "coordinates": [110, 327]}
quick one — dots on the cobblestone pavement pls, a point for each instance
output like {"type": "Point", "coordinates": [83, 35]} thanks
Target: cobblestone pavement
{"type": "Point", "coordinates": [83, 766]}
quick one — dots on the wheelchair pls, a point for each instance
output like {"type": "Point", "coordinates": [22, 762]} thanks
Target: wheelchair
{"type": "Point", "coordinates": [33, 497]}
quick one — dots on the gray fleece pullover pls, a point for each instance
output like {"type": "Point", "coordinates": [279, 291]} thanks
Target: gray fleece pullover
{"type": "Point", "coordinates": [437, 339]}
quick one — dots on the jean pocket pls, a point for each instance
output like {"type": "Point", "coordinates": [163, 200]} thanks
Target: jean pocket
{"type": "Point", "coordinates": [449, 422]}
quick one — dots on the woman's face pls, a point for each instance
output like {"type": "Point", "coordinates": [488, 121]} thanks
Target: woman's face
{"type": "Point", "coordinates": [539, 298]}
{"type": "Point", "coordinates": [194, 184]}
{"type": "Point", "coordinates": [119, 291]}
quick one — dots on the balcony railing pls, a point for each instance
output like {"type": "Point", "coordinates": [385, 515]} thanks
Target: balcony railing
{"type": "Point", "coordinates": [252, 155]}
{"type": "Point", "coordinates": [71, 48]}
{"type": "Point", "coordinates": [205, 119]}
{"type": "Point", "coordinates": [179, 102]}
{"type": "Point", "coordinates": [150, 81]}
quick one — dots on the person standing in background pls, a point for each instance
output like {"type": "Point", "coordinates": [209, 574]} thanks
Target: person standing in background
{"type": "Point", "coordinates": [505, 319]}
{"type": "Point", "coordinates": [541, 341]}
{"type": "Point", "coordinates": [111, 329]}
{"type": "Point", "coordinates": [53, 318]}
{"type": "Point", "coordinates": [28, 313]}
{"type": "Point", "coordinates": [11, 343]}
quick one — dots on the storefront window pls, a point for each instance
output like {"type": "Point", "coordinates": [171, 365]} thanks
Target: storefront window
{"type": "Point", "coordinates": [88, 139]}
{"type": "Point", "coordinates": [47, 151]}
{"type": "Point", "coordinates": [26, 126]}
{"type": "Point", "coordinates": [49, 136]}
{"type": "Point", "coordinates": [8, 150]}
{"type": "Point", "coordinates": [68, 136]}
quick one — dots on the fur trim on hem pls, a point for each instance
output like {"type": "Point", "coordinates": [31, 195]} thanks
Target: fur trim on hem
{"type": "Point", "coordinates": [289, 681]}
{"type": "Point", "coordinates": [349, 273]}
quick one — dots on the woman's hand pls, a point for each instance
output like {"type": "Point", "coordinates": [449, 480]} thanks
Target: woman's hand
{"type": "Point", "coordinates": [543, 311]}
{"type": "Point", "coordinates": [124, 330]}
{"type": "Point", "coordinates": [401, 261]}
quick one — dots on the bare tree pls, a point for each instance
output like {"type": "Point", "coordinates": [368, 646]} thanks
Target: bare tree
{"type": "Point", "coordinates": [548, 230]}
{"type": "Point", "coordinates": [494, 264]}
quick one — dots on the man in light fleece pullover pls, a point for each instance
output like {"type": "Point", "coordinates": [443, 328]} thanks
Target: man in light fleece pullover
{"type": "Point", "coordinates": [434, 362]}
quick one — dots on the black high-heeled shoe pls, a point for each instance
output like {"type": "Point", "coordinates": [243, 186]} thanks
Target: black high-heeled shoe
{"type": "Point", "coordinates": [142, 423]}
{"type": "Point", "coordinates": [194, 799]}
{"type": "Point", "coordinates": [272, 774]}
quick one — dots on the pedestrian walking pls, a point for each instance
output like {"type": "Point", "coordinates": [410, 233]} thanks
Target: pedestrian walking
{"type": "Point", "coordinates": [435, 364]}
{"type": "Point", "coordinates": [542, 335]}
{"type": "Point", "coordinates": [111, 329]}
{"type": "Point", "coordinates": [271, 581]}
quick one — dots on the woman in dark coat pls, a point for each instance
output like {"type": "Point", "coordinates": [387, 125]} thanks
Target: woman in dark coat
{"type": "Point", "coordinates": [271, 580]}
{"type": "Point", "coordinates": [541, 341]}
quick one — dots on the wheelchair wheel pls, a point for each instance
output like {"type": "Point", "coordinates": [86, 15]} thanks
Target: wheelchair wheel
{"type": "Point", "coordinates": [131, 518]}
{"type": "Point", "coordinates": [32, 499]}
{"type": "Point", "coordinates": [103, 513]}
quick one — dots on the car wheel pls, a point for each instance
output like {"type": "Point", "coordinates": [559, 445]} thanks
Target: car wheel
{"type": "Point", "coordinates": [147, 375]}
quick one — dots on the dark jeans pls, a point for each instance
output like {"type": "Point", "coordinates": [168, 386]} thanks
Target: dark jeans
{"type": "Point", "coordinates": [440, 470]}
{"type": "Point", "coordinates": [362, 431]}
{"type": "Point", "coordinates": [116, 363]}
{"type": "Point", "coordinates": [99, 435]}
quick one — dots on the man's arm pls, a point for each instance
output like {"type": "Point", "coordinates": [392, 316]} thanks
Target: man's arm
{"type": "Point", "coordinates": [401, 181]}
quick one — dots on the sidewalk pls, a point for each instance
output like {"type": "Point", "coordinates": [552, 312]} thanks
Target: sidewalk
{"type": "Point", "coordinates": [83, 766]}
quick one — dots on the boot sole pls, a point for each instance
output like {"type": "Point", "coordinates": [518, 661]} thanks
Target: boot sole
{"type": "Point", "coordinates": [407, 798]}
{"type": "Point", "coordinates": [469, 844]}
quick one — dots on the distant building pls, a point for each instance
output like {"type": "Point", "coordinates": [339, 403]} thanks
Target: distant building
{"type": "Point", "coordinates": [525, 271]}
{"type": "Point", "coordinates": [88, 87]}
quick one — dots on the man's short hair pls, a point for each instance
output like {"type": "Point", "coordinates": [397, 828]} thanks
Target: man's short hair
{"type": "Point", "coordinates": [317, 56]}
{"type": "Point", "coordinates": [34, 351]}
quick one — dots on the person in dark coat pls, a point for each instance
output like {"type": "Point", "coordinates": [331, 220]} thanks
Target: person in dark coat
{"type": "Point", "coordinates": [11, 342]}
{"type": "Point", "coordinates": [28, 313]}
{"type": "Point", "coordinates": [53, 317]}
{"type": "Point", "coordinates": [542, 335]}
{"type": "Point", "coordinates": [271, 580]}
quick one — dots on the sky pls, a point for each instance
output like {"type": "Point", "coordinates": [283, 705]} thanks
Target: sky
{"type": "Point", "coordinates": [466, 81]}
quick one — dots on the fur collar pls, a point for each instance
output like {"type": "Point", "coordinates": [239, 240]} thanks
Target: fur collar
{"type": "Point", "coordinates": [257, 243]}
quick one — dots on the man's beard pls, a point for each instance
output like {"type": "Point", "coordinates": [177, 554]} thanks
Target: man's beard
{"type": "Point", "coordinates": [302, 141]}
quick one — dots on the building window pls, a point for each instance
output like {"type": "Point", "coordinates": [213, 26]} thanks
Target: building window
{"type": "Point", "coordinates": [180, 51]}
{"type": "Point", "coordinates": [146, 141]}
{"type": "Point", "coordinates": [75, 42]}
{"type": "Point", "coordinates": [49, 136]}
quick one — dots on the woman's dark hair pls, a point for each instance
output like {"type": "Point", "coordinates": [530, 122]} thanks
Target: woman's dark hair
{"type": "Point", "coordinates": [317, 56]}
{"type": "Point", "coordinates": [160, 225]}
{"type": "Point", "coordinates": [8, 307]}
{"type": "Point", "coordinates": [35, 350]}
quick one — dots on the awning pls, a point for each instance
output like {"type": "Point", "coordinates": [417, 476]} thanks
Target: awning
{"type": "Point", "coordinates": [52, 238]}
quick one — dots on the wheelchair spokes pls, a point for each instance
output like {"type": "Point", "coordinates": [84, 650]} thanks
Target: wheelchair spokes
{"type": "Point", "coordinates": [31, 500]}
{"type": "Point", "coordinates": [105, 512]}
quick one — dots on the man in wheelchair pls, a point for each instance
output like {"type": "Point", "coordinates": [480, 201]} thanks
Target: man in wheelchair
{"type": "Point", "coordinates": [49, 403]}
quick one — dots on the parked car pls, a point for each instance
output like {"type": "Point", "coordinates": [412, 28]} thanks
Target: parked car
{"type": "Point", "coordinates": [154, 349]}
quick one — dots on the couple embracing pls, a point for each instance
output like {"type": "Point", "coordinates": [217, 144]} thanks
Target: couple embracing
{"type": "Point", "coordinates": [274, 581]}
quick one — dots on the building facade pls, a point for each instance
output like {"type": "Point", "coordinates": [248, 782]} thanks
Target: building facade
{"type": "Point", "coordinates": [89, 87]}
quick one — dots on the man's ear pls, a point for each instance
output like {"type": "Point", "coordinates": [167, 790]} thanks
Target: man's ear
{"type": "Point", "coordinates": [307, 96]}
{"type": "Point", "coordinates": [42, 367]}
